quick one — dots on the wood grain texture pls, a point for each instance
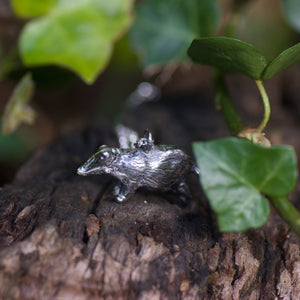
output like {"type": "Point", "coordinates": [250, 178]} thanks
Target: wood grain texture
{"type": "Point", "coordinates": [62, 237]}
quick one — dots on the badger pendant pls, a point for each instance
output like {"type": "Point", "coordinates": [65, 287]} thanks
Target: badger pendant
{"type": "Point", "coordinates": [162, 167]}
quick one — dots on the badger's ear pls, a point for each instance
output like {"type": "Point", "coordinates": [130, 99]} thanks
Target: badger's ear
{"type": "Point", "coordinates": [102, 147]}
{"type": "Point", "coordinates": [148, 137]}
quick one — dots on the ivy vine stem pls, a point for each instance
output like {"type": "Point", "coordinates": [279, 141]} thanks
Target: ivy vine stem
{"type": "Point", "coordinates": [288, 212]}
{"type": "Point", "coordinates": [224, 104]}
{"type": "Point", "coordinates": [266, 102]}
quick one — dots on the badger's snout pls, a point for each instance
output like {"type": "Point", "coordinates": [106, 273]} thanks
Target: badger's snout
{"type": "Point", "coordinates": [88, 167]}
{"type": "Point", "coordinates": [81, 171]}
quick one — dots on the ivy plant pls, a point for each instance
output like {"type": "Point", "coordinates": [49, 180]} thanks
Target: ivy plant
{"type": "Point", "coordinates": [291, 9]}
{"type": "Point", "coordinates": [76, 34]}
{"type": "Point", "coordinates": [17, 108]}
{"type": "Point", "coordinates": [163, 30]}
{"type": "Point", "coordinates": [240, 176]}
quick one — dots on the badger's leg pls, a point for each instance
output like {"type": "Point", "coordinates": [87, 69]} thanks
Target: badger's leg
{"type": "Point", "coordinates": [122, 191]}
{"type": "Point", "coordinates": [184, 191]}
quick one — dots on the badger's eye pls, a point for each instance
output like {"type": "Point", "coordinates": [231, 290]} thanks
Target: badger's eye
{"type": "Point", "coordinates": [104, 155]}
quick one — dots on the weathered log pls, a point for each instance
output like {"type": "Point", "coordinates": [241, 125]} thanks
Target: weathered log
{"type": "Point", "coordinates": [62, 237]}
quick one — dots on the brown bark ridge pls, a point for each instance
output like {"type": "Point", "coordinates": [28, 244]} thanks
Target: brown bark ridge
{"type": "Point", "coordinates": [62, 237]}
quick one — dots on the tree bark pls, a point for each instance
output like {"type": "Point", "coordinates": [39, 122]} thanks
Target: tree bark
{"type": "Point", "coordinates": [63, 237]}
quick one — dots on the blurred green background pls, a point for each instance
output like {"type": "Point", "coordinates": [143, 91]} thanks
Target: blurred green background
{"type": "Point", "coordinates": [86, 60]}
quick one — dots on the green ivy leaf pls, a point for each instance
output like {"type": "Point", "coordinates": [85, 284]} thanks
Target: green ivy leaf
{"type": "Point", "coordinates": [282, 61]}
{"type": "Point", "coordinates": [32, 8]}
{"type": "Point", "coordinates": [234, 175]}
{"type": "Point", "coordinates": [291, 10]}
{"type": "Point", "coordinates": [76, 34]}
{"type": "Point", "coordinates": [163, 30]}
{"type": "Point", "coordinates": [17, 109]}
{"type": "Point", "coordinates": [228, 55]}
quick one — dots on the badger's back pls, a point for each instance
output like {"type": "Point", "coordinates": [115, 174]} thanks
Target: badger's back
{"type": "Point", "coordinates": [165, 167]}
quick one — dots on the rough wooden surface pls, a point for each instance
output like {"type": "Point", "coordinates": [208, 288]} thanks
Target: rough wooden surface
{"type": "Point", "coordinates": [62, 237]}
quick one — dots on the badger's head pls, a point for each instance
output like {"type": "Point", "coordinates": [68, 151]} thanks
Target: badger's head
{"type": "Point", "coordinates": [101, 162]}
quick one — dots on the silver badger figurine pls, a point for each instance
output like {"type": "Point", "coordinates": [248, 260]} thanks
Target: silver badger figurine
{"type": "Point", "coordinates": [161, 167]}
